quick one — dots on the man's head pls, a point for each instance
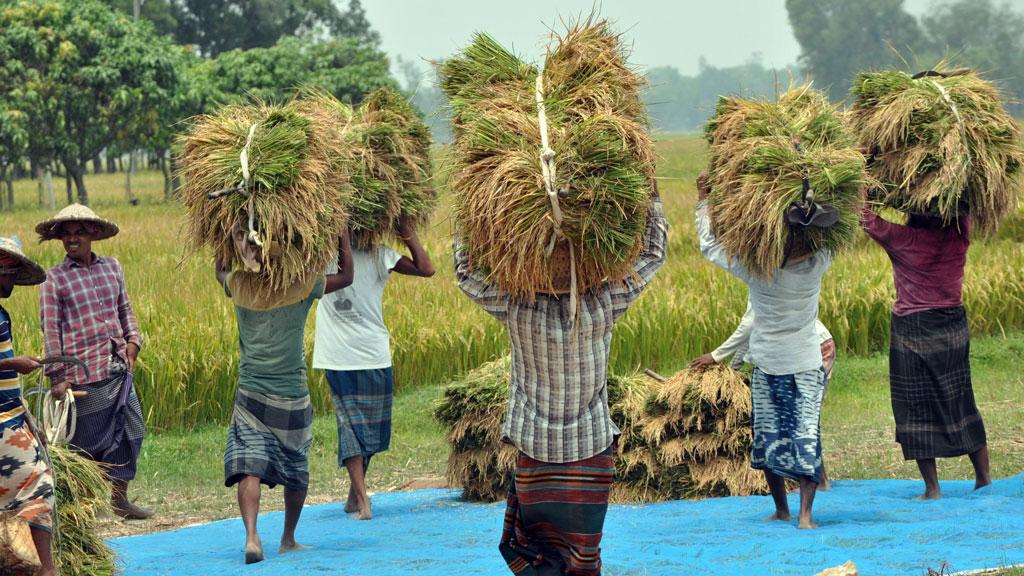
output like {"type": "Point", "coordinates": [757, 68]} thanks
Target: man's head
{"type": "Point", "coordinates": [77, 237]}
{"type": "Point", "coordinates": [16, 268]}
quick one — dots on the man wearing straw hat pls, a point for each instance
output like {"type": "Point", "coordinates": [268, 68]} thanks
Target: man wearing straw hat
{"type": "Point", "coordinates": [86, 314]}
{"type": "Point", "coordinates": [272, 419]}
{"type": "Point", "coordinates": [558, 410]}
{"type": "Point", "coordinates": [26, 482]}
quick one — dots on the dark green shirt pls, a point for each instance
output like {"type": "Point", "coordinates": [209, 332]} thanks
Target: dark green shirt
{"type": "Point", "coordinates": [271, 342]}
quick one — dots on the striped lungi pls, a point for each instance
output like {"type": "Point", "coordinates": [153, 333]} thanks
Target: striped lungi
{"type": "Point", "coordinates": [109, 425]}
{"type": "Point", "coordinates": [362, 408]}
{"type": "Point", "coordinates": [26, 482]}
{"type": "Point", "coordinates": [269, 438]}
{"type": "Point", "coordinates": [786, 423]}
{"type": "Point", "coordinates": [930, 381]}
{"type": "Point", "coordinates": [555, 516]}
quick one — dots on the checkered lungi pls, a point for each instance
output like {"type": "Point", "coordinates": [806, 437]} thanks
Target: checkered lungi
{"type": "Point", "coordinates": [109, 426]}
{"type": "Point", "coordinates": [269, 438]}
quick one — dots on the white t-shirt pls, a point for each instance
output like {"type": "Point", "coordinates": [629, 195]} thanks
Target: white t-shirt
{"type": "Point", "coordinates": [350, 330]}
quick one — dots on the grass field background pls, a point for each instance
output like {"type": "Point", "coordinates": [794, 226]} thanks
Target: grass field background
{"type": "Point", "coordinates": [189, 361]}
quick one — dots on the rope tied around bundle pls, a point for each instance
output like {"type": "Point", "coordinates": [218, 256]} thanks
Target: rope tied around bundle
{"type": "Point", "coordinates": [549, 170]}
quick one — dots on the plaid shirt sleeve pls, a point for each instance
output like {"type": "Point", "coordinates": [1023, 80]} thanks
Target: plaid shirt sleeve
{"type": "Point", "coordinates": [125, 314]}
{"type": "Point", "coordinates": [49, 316]}
{"type": "Point", "coordinates": [473, 284]}
{"type": "Point", "coordinates": [651, 259]}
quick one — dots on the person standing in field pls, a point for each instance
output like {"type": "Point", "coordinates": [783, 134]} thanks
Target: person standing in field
{"type": "Point", "coordinates": [353, 346]}
{"type": "Point", "coordinates": [26, 485]}
{"type": "Point", "coordinates": [86, 313]}
{"type": "Point", "coordinates": [558, 411]}
{"type": "Point", "coordinates": [272, 421]}
{"type": "Point", "coordinates": [788, 380]}
{"type": "Point", "coordinates": [737, 346]}
{"type": "Point", "coordinates": [929, 345]}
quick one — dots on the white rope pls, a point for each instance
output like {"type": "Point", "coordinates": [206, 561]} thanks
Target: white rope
{"type": "Point", "coordinates": [550, 171]}
{"type": "Point", "coordinates": [60, 418]}
{"type": "Point", "coordinates": [949, 101]}
{"type": "Point", "coordinates": [243, 158]}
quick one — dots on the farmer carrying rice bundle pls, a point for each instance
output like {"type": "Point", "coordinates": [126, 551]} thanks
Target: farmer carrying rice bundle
{"type": "Point", "coordinates": [783, 194]}
{"type": "Point", "coordinates": [558, 235]}
{"type": "Point", "coordinates": [939, 143]}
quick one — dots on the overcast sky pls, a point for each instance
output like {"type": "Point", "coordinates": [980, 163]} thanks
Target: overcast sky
{"type": "Point", "coordinates": [663, 32]}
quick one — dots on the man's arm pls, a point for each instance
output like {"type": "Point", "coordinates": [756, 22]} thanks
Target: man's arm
{"type": "Point", "coordinates": [20, 364]}
{"type": "Point", "coordinates": [129, 323]}
{"type": "Point", "coordinates": [475, 285]}
{"type": "Point", "coordinates": [419, 264]}
{"type": "Point", "coordinates": [880, 230]}
{"type": "Point", "coordinates": [711, 249]}
{"type": "Point", "coordinates": [651, 258]}
{"type": "Point", "coordinates": [739, 338]}
{"type": "Point", "coordinates": [345, 273]}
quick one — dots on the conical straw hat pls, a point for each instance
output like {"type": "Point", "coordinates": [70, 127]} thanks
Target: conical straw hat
{"type": "Point", "coordinates": [28, 272]}
{"type": "Point", "coordinates": [50, 229]}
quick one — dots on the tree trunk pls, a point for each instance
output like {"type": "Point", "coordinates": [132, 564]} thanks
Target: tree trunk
{"type": "Point", "coordinates": [67, 184]}
{"type": "Point", "coordinates": [97, 165]}
{"type": "Point", "coordinates": [172, 163]}
{"type": "Point", "coordinates": [3, 178]}
{"type": "Point", "coordinates": [128, 179]}
{"type": "Point", "coordinates": [48, 177]}
{"type": "Point", "coordinates": [10, 191]}
{"type": "Point", "coordinates": [111, 165]}
{"type": "Point", "coordinates": [168, 182]}
{"type": "Point", "coordinates": [78, 173]}
{"type": "Point", "coordinates": [39, 184]}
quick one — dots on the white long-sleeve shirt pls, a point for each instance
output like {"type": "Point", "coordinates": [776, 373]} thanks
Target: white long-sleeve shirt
{"type": "Point", "coordinates": [783, 340]}
{"type": "Point", "coordinates": [738, 343]}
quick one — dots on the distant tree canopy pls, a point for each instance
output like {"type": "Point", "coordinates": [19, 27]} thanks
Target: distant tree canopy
{"type": "Point", "coordinates": [839, 38]}
{"type": "Point", "coordinates": [217, 26]}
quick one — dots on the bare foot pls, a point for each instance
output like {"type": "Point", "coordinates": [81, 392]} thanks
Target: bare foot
{"type": "Point", "coordinates": [779, 516]}
{"type": "Point", "coordinates": [930, 495]}
{"type": "Point", "coordinates": [292, 547]}
{"type": "Point", "coordinates": [253, 551]}
{"type": "Point", "coordinates": [979, 483]}
{"type": "Point", "coordinates": [825, 485]}
{"type": "Point", "coordinates": [351, 505]}
{"type": "Point", "coordinates": [806, 524]}
{"type": "Point", "coordinates": [365, 512]}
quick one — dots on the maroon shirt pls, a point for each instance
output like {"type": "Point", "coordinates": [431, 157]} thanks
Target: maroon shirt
{"type": "Point", "coordinates": [927, 265]}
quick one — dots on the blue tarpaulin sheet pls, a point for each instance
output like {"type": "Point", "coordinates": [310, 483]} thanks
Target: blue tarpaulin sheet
{"type": "Point", "coordinates": [877, 524]}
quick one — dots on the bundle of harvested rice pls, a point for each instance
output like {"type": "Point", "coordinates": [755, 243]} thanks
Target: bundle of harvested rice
{"type": "Point", "coordinates": [82, 495]}
{"type": "Point", "coordinates": [392, 174]}
{"type": "Point", "coordinates": [473, 410]}
{"type": "Point", "coordinates": [940, 144]}
{"type": "Point", "coordinates": [699, 421]}
{"type": "Point", "coordinates": [551, 170]}
{"type": "Point", "coordinates": [278, 166]}
{"type": "Point", "coordinates": [766, 156]}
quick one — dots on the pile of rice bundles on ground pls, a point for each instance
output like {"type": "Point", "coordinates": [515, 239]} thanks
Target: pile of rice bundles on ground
{"type": "Point", "coordinates": [939, 145]}
{"type": "Point", "coordinates": [294, 204]}
{"type": "Point", "coordinates": [597, 128]}
{"type": "Point", "coordinates": [82, 495]}
{"type": "Point", "coordinates": [686, 438]}
{"type": "Point", "coordinates": [760, 154]}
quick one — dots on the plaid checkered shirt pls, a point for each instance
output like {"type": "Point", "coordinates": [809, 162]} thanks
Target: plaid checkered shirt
{"type": "Point", "coordinates": [558, 396]}
{"type": "Point", "coordinates": [85, 313]}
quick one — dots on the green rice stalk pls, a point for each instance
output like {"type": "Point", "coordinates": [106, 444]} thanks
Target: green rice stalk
{"type": "Point", "coordinates": [599, 131]}
{"type": "Point", "coordinates": [937, 156]}
{"type": "Point", "coordinates": [82, 495]}
{"type": "Point", "coordinates": [756, 172]}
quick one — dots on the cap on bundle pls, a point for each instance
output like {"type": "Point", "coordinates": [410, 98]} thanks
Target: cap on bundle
{"type": "Point", "coordinates": [27, 272]}
{"type": "Point", "coordinates": [50, 229]}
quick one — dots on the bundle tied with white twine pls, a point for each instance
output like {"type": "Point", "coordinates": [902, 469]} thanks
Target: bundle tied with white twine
{"type": "Point", "coordinates": [579, 220]}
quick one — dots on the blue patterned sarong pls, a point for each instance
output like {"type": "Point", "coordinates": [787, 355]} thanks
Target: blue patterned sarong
{"type": "Point", "coordinates": [787, 423]}
{"type": "Point", "coordinates": [362, 407]}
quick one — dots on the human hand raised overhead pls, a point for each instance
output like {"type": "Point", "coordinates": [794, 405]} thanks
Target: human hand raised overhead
{"type": "Point", "coordinates": [703, 186]}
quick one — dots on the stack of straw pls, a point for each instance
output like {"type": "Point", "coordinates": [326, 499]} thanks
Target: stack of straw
{"type": "Point", "coordinates": [686, 438]}
{"type": "Point", "coordinates": [295, 195]}
{"type": "Point", "coordinates": [597, 129]}
{"type": "Point", "coordinates": [82, 495]}
{"type": "Point", "coordinates": [939, 145]}
{"type": "Point", "coordinates": [756, 171]}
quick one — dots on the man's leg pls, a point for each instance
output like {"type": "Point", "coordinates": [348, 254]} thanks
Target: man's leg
{"type": "Point", "coordinates": [124, 507]}
{"type": "Point", "coordinates": [357, 476]}
{"type": "Point", "coordinates": [979, 458]}
{"type": "Point", "coordinates": [293, 501]}
{"type": "Point", "coordinates": [41, 538]}
{"type": "Point", "coordinates": [777, 485]}
{"type": "Point", "coordinates": [808, 488]}
{"type": "Point", "coordinates": [249, 505]}
{"type": "Point", "coordinates": [930, 475]}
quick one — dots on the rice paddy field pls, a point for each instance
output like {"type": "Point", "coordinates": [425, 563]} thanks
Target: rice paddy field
{"type": "Point", "coordinates": [187, 368]}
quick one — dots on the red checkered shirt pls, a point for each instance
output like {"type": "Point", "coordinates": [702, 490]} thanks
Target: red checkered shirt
{"type": "Point", "coordinates": [85, 313]}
